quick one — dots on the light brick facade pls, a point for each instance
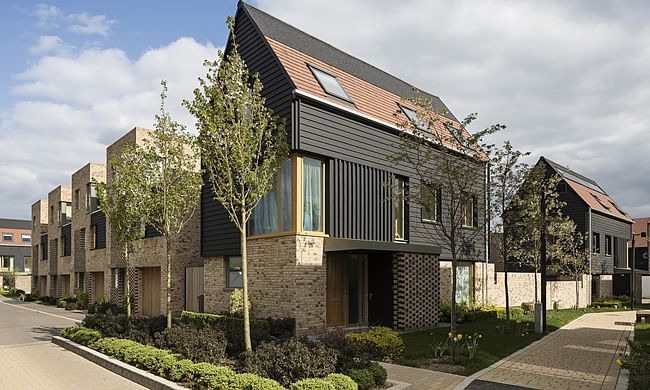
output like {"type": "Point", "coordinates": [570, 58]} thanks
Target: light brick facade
{"type": "Point", "coordinates": [40, 267]}
{"type": "Point", "coordinates": [59, 265]}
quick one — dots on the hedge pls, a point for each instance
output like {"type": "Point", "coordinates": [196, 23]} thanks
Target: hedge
{"type": "Point", "coordinates": [312, 384]}
{"type": "Point", "coordinates": [378, 343]}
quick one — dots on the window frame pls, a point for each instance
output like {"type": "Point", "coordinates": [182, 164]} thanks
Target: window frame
{"type": "Point", "coordinates": [472, 201]}
{"type": "Point", "coordinates": [437, 212]}
{"type": "Point", "coordinates": [399, 193]}
{"type": "Point", "coordinates": [322, 194]}
{"type": "Point", "coordinates": [595, 243]}
{"type": "Point", "coordinates": [609, 246]}
{"type": "Point", "coordinates": [316, 71]}
{"type": "Point", "coordinates": [76, 199]}
{"type": "Point", "coordinates": [27, 259]}
{"type": "Point", "coordinates": [7, 234]}
{"type": "Point", "coordinates": [25, 235]}
{"type": "Point", "coordinates": [227, 269]}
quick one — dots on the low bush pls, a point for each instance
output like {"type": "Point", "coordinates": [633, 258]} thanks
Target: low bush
{"type": "Point", "coordinates": [71, 306]}
{"type": "Point", "coordinates": [105, 307]}
{"type": "Point", "coordinates": [379, 374]}
{"type": "Point", "coordinates": [254, 382]}
{"type": "Point", "coordinates": [28, 297]}
{"type": "Point", "coordinates": [140, 329]}
{"type": "Point", "coordinates": [348, 355]}
{"type": "Point", "coordinates": [48, 300]}
{"type": "Point", "coordinates": [200, 345]}
{"type": "Point", "coordinates": [291, 360]}
{"type": "Point", "coordinates": [638, 363]}
{"type": "Point", "coordinates": [82, 300]}
{"type": "Point", "coordinates": [312, 384]}
{"type": "Point", "coordinates": [362, 377]}
{"type": "Point", "coordinates": [209, 376]}
{"type": "Point", "coordinates": [81, 335]}
{"type": "Point", "coordinates": [15, 292]}
{"type": "Point", "coordinates": [236, 304]}
{"type": "Point", "coordinates": [378, 343]}
{"type": "Point", "coordinates": [341, 382]}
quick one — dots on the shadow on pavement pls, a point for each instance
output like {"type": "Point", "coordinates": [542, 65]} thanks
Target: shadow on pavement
{"type": "Point", "coordinates": [45, 333]}
{"type": "Point", "coordinates": [486, 385]}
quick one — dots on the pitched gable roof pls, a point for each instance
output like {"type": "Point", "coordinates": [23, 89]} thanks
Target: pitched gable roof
{"type": "Point", "coordinates": [589, 191]}
{"type": "Point", "coordinates": [301, 42]}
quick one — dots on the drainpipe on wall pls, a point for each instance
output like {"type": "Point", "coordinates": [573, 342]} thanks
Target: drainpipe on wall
{"type": "Point", "coordinates": [487, 233]}
{"type": "Point", "coordinates": [590, 240]}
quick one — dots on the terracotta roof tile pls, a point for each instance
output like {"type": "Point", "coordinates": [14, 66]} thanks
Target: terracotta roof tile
{"type": "Point", "coordinates": [598, 201]}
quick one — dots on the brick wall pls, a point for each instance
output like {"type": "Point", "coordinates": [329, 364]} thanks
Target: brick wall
{"type": "Point", "coordinates": [416, 293]}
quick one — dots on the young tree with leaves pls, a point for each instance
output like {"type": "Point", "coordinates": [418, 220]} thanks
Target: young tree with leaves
{"type": "Point", "coordinates": [527, 219]}
{"type": "Point", "coordinates": [173, 180]}
{"type": "Point", "coordinates": [568, 252]}
{"type": "Point", "coordinates": [125, 203]}
{"type": "Point", "coordinates": [242, 144]}
{"type": "Point", "coordinates": [507, 173]}
{"type": "Point", "coordinates": [450, 171]}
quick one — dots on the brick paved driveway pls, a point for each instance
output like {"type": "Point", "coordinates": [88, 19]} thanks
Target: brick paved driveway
{"type": "Point", "coordinates": [28, 360]}
{"type": "Point", "coordinates": [580, 355]}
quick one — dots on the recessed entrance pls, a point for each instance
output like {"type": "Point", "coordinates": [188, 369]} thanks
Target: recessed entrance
{"type": "Point", "coordinates": [98, 286]}
{"type": "Point", "coordinates": [380, 289]}
{"type": "Point", "coordinates": [345, 289]}
{"type": "Point", "coordinates": [149, 296]}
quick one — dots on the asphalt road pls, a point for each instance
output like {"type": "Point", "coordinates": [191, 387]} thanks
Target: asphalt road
{"type": "Point", "coordinates": [28, 359]}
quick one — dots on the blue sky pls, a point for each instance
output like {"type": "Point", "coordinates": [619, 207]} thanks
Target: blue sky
{"type": "Point", "coordinates": [569, 79]}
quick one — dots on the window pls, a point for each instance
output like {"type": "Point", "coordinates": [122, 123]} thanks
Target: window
{"type": "Point", "coordinates": [116, 277]}
{"type": "Point", "coordinates": [51, 214]}
{"type": "Point", "coordinates": [27, 263]}
{"type": "Point", "coordinates": [398, 208]}
{"type": "Point", "coordinates": [76, 199]}
{"type": "Point", "coordinates": [26, 237]}
{"type": "Point", "coordinates": [273, 212]}
{"type": "Point", "coordinates": [608, 245]}
{"type": "Point", "coordinates": [413, 116]}
{"type": "Point", "coordinates": [44, 247]}
{"type": "Point", "coordinates": [312, 195]}
{"type": "Point", "coordinates": [562, 188]}
{"type": "Point", "coordinates": [330, 84]}
{"type": "Point", "coordinates": [93, 236]}
{"type": "Point", "coordinates": [469, 212]}
{"type": "Point", "coordinates": [234, 272]}
{"type": "Point", "coordinates": [601, 202]}
{"type": "Point", "coordinates": [7, 237]}
{"type": "Point", "coordinates": [82, 238]}
{"type": "Point", "coordinates": [431, 204]}
{"type": "Point", "coordinates": [6, 262]}
{"type": "Point", "coordinates": [66, 213]}
{"type": "Point", "coordinates": [91, 197]}
{"type": "Point", "coordinates": [595, 242]}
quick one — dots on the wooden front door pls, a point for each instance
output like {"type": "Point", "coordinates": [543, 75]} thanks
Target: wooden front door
{"type": "Point", "coordinates": [65, 279]}
{"type": "Point", "coordinates": [150, 292]}
{"type": "Point", "coordinates": [98, 286]}
{"type": "Point", "coordinates": [194, 288]}
{"type": "Point", "coordinates": [336, 304]}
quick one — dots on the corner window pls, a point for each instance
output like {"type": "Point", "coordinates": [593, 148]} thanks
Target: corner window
{"type": "Point", "coordinates": [66, 212]}
{"type": "Point", "coordinates": [469, 211]}
{"type": "Point", "coordinates": [273, 212]}
{"type": "Point", "coordinates": [26, 237]}
{"type": "Point", "coordinates": [595, 243]}
{"type": "Point", "coordinates": [6, 262]}
{"type": "Point", "coordinates": [27, 267]}
{"type": "Point", "coordinates": [330, 84]}
{"type": "Point", "coordinates": [91, 197]}
{"type": "Point", "coordinates": [608, 245]}
{"type": "Point", "coordinates": [398, 208]}
{"type": "Point", "coordinates": [76, 199]}
{"type": "Point", "coordinates": [234, 277]}
{"type": "Point", "coordinates": [7, 237]}
{"type": "Point", "coordinates": [431, 204]}
{"type": "Point", "coordinates": [312, 194]}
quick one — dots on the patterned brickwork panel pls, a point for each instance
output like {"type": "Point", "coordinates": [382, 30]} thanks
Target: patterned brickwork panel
{"type": "Point", "coordinates": [416, 280]}
{"type": "Point", "coordinates": [133, 279]}
{"type": "Point", "coordinates": [117, 255]}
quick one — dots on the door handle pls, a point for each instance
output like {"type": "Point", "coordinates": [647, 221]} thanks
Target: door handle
{"type": "Point", "coordinates": [370, 296]}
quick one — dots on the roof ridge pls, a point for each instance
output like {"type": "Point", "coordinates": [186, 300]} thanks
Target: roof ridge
{"type": "Point", "coordinates": [383, 73]}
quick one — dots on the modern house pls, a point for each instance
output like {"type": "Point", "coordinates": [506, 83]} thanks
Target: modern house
{"type": "Point", "coordinates": [608, 226]}
{"type": "Point", "coordinates": [336, 243]}
{"type": "Point", "coordinates": [15, 254]}
{"type": "Point", "coordinates": [641, 231]}
{"type": "Point", "coordinates": [76, 253]}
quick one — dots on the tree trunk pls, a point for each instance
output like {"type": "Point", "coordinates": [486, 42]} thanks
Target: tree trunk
{"type": "Point", "coordinates": [244, 269]}
{"type": "Point", "coordinates": [577, 293]}
{"type": "Point", "coordinates": [127, 283]}
{"type": "Point", "coordinates": [535, 275]}
{"type": "Point", "coordinates": [169, 284]}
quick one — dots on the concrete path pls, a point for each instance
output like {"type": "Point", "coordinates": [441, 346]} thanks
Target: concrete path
{"type": "Point", "coordinates": [580, 355]}
{"type": "Point", "coordinates": [30, 361]}
{"type": "Point", "coordinates": [422, 379]}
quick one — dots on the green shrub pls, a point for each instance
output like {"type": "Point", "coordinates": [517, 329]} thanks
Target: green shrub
{"type": "Point", "coordinates": [103, 306]}
{"type": "Point", "coordinates": [236, 305]}
{"type": "Point", "coordinates": [378, 343]}
{"type": "Point", "coordinates": [81, 335]}
{"type": "Point", "coordinates": [181, 370]}
{"type": "Point", "coordinates": [254, 382]}
{"type": "Point", "coordinates": [312, 384]}
{"type": "Point", "coordinates": [379, 374]}
{"type": "Point", "coordinates": [209, 376]}
{"type": "Point", "coordinates": [82, 300]}
{"type": "Point", "coordinates": [341, 382]}
{"type": "Point", "coordinates": [140, 329]}
{"type": "Point", "coordinates": [200, 345]}
{"type": "Point", "coordinates": [348, 355]}
{"type": "Point", "coordinates": [362, 377]}
{"type": "Point", "coordinates": [28, 297]}
{"type": "Point", "coordinates": [291, 360]}
{"type": "Point", "coordinates": [638, 363]}
{"type": "Point", "coordinates": [71, 306]}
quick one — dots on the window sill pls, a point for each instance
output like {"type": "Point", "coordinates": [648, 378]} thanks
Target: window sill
{"type": "Point", "coordinates": [230, 289]}
{"type": "Point", "coordinates": [287, 234]}
{"type": "Point", "coordinates": [430, 221]}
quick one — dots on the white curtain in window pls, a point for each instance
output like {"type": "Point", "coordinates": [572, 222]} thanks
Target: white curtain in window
{"type": "Point", "coordinates": [312, 194]}
{"type": "Point", "coordinates": [462, 283]}
{"type": "Point", "coordinates": [285, 188]}
{"type": "Point", "coordinates": [265, 215]}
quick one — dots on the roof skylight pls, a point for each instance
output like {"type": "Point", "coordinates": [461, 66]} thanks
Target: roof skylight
{"type": "Point", "coordinates": [413, 116]}
{"type": "Point", "coordinates": [330, 84]}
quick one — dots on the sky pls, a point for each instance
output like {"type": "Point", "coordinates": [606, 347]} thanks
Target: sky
{"type": "Point", "coordinates": [568, 79]}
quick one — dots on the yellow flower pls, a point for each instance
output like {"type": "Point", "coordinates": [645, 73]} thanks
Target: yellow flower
{"type": "Point", "coordinates": [519, 321]}
{"type": "Point", "coordinates": [619, 362]}
{"type": "Point", "coordinates": [449, 334]}
{"type": "Point", "coordinates": [480, 336]}
{"type": "Point", "coordinates": [460, 336]}
{"type": "Point", "coordinates": [469, 337]}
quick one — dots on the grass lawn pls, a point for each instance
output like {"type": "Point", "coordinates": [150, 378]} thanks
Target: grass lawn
{"type": "Point", "coordinates": [494, 345]}
{"type": "Point", "coordinates": [642, 332]}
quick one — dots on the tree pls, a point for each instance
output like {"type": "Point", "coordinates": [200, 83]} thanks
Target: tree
{"type": "Point", "coordinates": [125, 203]}
{"type": "Point", "coordinates": [450, 171]}
{"type": "Point", "coordinates": [242, 144]}
{"type": "Point", "coordinates": [568, 252]}
{"type": "Point", "coordinates": [173, 181]}
{"type": "Point", "coordinates": [507, 173]}
{"type": "Point", "coordinates": [528, 220]}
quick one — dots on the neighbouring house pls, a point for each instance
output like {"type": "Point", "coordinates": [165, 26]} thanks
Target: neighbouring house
{"type": "Point", "coordinates": [15, 254]}
{"type": "Point", "coordinates": [336, 243]}
{"type": "Point", "coordinates": [75, 251]}
{"type": "Point", "coordinates": [639, 255]}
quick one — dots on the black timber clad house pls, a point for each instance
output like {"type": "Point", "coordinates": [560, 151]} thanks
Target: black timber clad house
{"type": "Point", "coordinates": [603, 221]}
{"type": "Point", "coordinates": [339, 114]}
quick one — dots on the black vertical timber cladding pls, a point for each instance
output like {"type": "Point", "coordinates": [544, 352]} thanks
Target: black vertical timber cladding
{"type": "Point", "coordinates": [620, 233]}
{"type": "Point", "coordinates": [361, 177]}
{"type": "Point", "coordinates": [98, 219]}
{"type": "Point", "coordinates": [219, 237]}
